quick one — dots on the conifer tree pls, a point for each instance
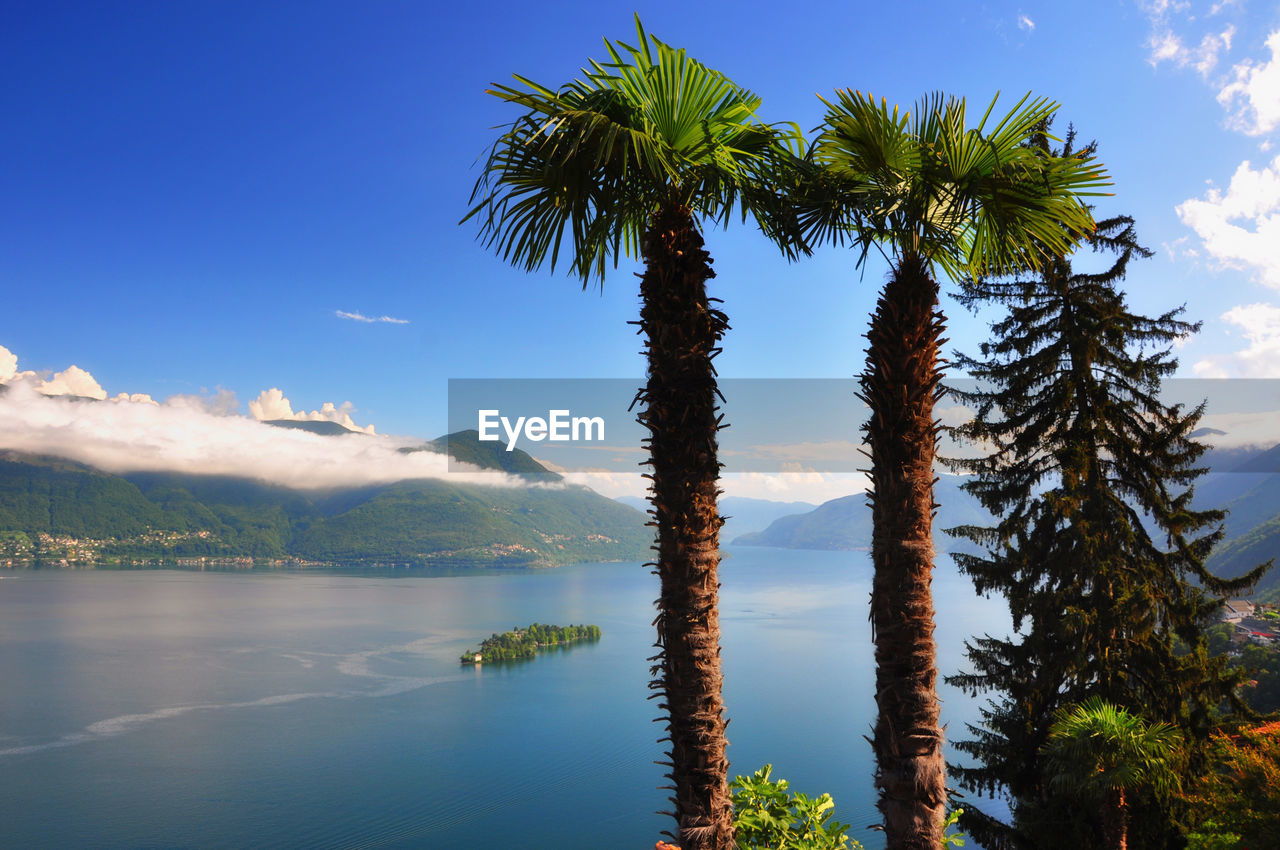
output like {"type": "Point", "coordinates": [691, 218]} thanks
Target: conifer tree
{"type": "Point", "coordinates": [1097, 548]}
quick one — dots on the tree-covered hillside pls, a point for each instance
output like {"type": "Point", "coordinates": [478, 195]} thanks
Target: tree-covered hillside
{"type": "Point", "coordinates": [54, 511]}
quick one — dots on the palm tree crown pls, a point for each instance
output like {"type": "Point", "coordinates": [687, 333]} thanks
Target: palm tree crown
{"type": "Point", "coordinates": [1103, 752]}
{"type": "Point", "coordinates": [965, 200]}
{"type": "Point", "coordinates": [650, 129]}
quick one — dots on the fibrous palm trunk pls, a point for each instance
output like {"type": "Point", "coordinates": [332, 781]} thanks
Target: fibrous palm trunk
{"type": "Point", "coordinates": [682, 333]}
{"type": "Point", "coordinates": [900, 385]}
{"type": "Point", "coordinates": [1115, 820]}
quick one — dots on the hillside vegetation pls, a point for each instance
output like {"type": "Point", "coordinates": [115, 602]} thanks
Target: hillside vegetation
{"type": "Point", "coordinates": [57, 511]}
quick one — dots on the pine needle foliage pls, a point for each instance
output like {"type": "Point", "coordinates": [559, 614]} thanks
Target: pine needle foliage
{"type": "Point", "coordinates": [1097, 547]}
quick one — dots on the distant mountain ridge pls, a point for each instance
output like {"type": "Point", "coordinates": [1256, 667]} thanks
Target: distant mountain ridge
{"type": "Point", "coordinates": [845, 523]}
{"type": "Point", "coordinates": [742, 515]}
{"type": "Point", "coordinates": [54, 510]}
{"type": "Point", "coordinates": [1244, 481]}
{"type": "Point", "coordinates": [325, 428]}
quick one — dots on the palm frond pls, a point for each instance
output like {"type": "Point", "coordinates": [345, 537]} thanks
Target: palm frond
{"type": "Point", "coordinates": [590, 162]}
{"type": "Point", "coordinates": [968, 200]}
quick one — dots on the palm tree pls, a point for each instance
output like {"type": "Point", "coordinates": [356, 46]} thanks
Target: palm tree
{"type": "Point", "coordinates": [938, 197]}
{"type": "Point", "coordinates": [628, 160]}
{"type": "Point", "coordinates": [1103, 752]}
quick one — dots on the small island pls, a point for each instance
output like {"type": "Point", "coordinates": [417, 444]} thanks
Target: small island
{"type": "Point", "coordinates": [524, 643]}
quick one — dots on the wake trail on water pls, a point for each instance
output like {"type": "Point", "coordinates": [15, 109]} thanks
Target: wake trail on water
{"type": "Point", "coordinates": [356, 665]}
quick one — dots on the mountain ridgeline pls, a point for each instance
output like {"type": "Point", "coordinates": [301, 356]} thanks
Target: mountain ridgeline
{"type": "Point", "coordinates": [845, 523]}
{"type": "Point", "coordinates": [1244, 481]}
{"type": "Point", "coordinates": [57, 511]}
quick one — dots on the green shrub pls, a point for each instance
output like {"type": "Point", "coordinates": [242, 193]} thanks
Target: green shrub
{"type": "Point", "coordinates": [768, 817]}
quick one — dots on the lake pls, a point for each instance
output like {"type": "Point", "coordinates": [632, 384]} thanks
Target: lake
{"type": "Point", "coordinates": [165, 708]}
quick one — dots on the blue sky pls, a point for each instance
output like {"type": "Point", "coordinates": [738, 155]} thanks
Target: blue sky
{"type": "Point", "coordinates": [193, 194]}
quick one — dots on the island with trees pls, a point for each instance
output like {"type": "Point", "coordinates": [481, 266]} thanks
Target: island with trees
{"type": "Point", "coordinates": [522, 643]}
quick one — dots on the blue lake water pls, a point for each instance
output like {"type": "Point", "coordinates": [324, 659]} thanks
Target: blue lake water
{"type": "Point", "coordinates": [303, 709]}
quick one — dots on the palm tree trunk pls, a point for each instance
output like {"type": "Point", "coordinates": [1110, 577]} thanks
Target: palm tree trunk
{"type": "Point", "coordinates": [682, 334]}
{"type": "Point", "coordinates": [1115, 826]}
{"type": "Point", "coordinates": [900, 385]}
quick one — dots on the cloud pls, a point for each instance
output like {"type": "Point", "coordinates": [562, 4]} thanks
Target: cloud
{"type": "Point", "coordinates": [272, 404]}
{"type": "Point", "coordinates": [1252, 98]}
{"type": "Point", "coordinates": [1169, 40]}
{"type": "Point", "coordinates": [1253, 197]}
{"type": "Point", "coordinates": [73, 381]}
{"type": "Point", "coordinates": [69, 415]}
{"type": "Point", "coordinates": [1260, 324]}
{"type": "Point", "coordinates": [194, 438]}
{"type": "Point", "coordinates": [133, 398]}
{"type": "Point", "coordinates": [840, 452]}
{"type": "Point", "coordinates": [1165, 46]}
{"type": "Point", "coordinates": [360, 317]}
{"type": "Point", "coordinates": [221, 403]}
{"type": "Point", "coordinates": [1025, 23]}
{"type": "Point", "coordinates": [1252, 429]}
{"type": "Point", "coordinates": [815, 487]}
{"type": "Point", "coordinates": [70, 381]}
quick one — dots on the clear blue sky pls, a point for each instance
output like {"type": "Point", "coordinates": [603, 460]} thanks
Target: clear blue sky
{"type": "Point", "coordinates": [191, 192]}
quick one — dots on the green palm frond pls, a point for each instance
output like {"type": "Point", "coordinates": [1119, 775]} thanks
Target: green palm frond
{"type": "Point", "coordinates": [592, 161]}
{"type": "Point", "coordinates": [1094, 747]}
{"type": "Point", "coordinates": [969, 200]}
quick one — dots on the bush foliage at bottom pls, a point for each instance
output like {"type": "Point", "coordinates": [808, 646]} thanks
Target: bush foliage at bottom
{"type": "Point", "coordinates": [768, 817]}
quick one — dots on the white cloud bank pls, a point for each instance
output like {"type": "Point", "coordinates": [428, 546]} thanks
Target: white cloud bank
{"type": "Point", "coordinates": [1260, 324]}
{"type": "Point", "coordinates": [1240, 228]}
{"type": "Point", "coordinates": [71, 381]}
{"type": "Point", "coordinates": [69, 415]}
{"type": "Point", "coordinates": [272, 404]}
{"type": "Point", "coordinates": [815, 487]}
{"type": "Point", "coordinates": [1166, 44]}
{"type": "Point", "coordinates": [1252, 98]}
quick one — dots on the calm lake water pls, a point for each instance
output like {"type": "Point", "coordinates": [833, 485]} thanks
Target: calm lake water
{"type": "Point", "coordinates": [290, 709]}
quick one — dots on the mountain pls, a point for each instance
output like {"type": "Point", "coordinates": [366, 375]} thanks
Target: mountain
{"type": "Point", "coordinates": [53, 496]}
{"type": "Point", "coordinates": [53, 510]}
{"type": "Point", "coordinates": [1244, 482]}
{"type": "Point", "coordinates": [323, 428]}
{"type": "Point", "coordinates": [742, 515]}
{"type": "Point", "coordinates": [467, 447]}
{"type": "Point", "coordinates": [845, 523]}
{"type": "Point", "coordinates": [1237, 481]}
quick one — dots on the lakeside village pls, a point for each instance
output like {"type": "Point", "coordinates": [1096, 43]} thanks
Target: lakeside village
{"type": "Point", "coordinates": [164, 548]}
{"type": "Point", "coordinates": [19, 549]}
{"type": "Point", "coordinates": [1252, 624]}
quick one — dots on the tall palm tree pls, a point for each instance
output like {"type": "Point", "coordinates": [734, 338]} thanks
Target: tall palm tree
{"type": "Point", "coordinates": [1103, 752]}
{"type": "Point", "coordinates": [934, 196]}
{"type": "Point", "coordinates": [629, 159]}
